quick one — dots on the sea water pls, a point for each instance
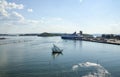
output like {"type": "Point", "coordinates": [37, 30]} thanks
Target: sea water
{"type": "Point", "coordinates": [32, 57]}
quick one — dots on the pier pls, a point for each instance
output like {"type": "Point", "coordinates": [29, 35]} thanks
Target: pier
{"type": "Point", "coordinates": [101, 40]}
{"type": "Point", "coordinates": [104, 38]}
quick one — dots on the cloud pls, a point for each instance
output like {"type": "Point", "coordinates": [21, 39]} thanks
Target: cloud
{"type": "Point", "coordinates": [17, 16]}
{"type": "Point", "coordinates": [15, 6]}
{"type": "Point", "coordinates": [12, 21]}
{"type": "Point", "coordinates": [6, 6]}
{"type": "Point", "coordinates": [3, 5]}
{"type": "Point", "coordinates": [81, 1]}
{"type": "Point", "coordinates": [7, 12]}
{"type": "Point", "coordinates": [13, 17]}
{"type": "Point", "coordinates": [3, 12]}
{"type": "Point", "coordinates": [30, 10]}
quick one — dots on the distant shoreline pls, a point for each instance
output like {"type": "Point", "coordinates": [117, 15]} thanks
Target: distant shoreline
{"type": "Point", "coordinates": [34, 34]}
{"type": "Point", "coordinates": [2, 38]}
{"type": "Point", "coordinates": [99, 39]}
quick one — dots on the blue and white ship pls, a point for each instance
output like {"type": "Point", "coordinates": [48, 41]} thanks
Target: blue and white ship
{"type": "Point", "coordinates": [73, 36]}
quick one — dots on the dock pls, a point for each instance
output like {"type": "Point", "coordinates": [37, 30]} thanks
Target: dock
{"type": "Point", "coordinates": [104, 38]}
{"type": "Point", "coordinates": [101, 40]}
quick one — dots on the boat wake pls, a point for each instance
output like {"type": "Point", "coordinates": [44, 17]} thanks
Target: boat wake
{"type": "Point", "coordinates": [89, 69]}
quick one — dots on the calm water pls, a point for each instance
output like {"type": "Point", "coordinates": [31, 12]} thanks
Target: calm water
{"type": "Point", "coordinates": [32, 57]}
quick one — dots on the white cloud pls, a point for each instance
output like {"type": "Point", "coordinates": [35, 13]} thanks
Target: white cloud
{"type": "Point", "coordinates": [6, 7]}
{"type": "Point", "coordinates": [30, 10]}
{"type": "Point", "coordinates": [16, 22]}
{"type": "Point", "coordinates": [3, 5]}
{"type": "Point", "coordinates": [7, 12]}
{"type": "Point", "coordinates": [17, 15]}
{"type": "Point", "coordinates": [81, 1]}
{"type": "Point", "coordinates": [13, 22]}
{"type": "Point", "coordinates": [15, 6]}
{"type": "Point", "coordinates": [3, 12]}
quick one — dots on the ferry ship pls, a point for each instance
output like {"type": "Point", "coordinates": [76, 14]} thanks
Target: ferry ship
{"type": "Point", "coordinates": [73, 36]}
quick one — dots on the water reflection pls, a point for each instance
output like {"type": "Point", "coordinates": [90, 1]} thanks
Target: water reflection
{"type": "Point", "coordinates": [75, 43]}
{"type": "Point", "coordinates": [55, 55]}
{"type": "Point", "coordinates": [80, 43]}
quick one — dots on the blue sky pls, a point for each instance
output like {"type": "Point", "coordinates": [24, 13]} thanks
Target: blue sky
{"type": "Point", "coordinates": [64, 16]}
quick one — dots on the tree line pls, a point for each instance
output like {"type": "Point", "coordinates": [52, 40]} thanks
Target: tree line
{"type": "Point", "coordinates": [111, 36]}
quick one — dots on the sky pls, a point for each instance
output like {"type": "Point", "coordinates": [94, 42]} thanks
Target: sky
{"type": "Point", "coordinates": [60, 16]}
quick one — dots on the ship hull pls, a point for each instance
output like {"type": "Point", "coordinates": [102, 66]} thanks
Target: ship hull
{"type": "Point", "coordinates": [71, 37]}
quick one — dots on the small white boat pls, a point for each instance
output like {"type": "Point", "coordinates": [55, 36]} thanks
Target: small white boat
{"type": "Point", "coordinates": [55, 49]}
